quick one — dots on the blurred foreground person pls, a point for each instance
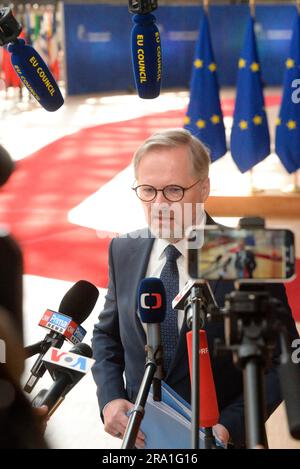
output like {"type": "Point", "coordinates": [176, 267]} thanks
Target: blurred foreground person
{"type": "Point", "coordinates": [20, 426]}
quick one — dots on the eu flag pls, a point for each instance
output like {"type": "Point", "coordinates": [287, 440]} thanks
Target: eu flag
{"type": "Point", "coordinates": [204, 117]}
{"type": "Point", "coordinates": [288, 124]}
{"type": "Point", "coordinates": [250, 139]}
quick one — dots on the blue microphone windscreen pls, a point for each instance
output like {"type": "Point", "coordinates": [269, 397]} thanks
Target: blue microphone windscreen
{"type": "Point", "coordinates": [152, 300]}
{"type": "Point", "coordinates": [146, 56]}
{"type": "Point", "coordinates": [35, 75]}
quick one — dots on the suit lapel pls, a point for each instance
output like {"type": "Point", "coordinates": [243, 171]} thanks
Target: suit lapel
{"type": "Point", "coordinates": [139, 258]}
{"type": "Point", "coordinates": [139, 252]}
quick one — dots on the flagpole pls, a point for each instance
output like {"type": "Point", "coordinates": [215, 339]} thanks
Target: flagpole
{"type": "Point", "coordinates": [294, 187]}
{"type": "Point", "coordinates": [253, 189]}
{"type": "Point", "coordinates": [252, 7]}
{"type": "Point", "coordinates": [296, 174]}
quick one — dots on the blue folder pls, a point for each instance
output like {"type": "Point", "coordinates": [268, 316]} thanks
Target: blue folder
{"type": "Point", "coordinates": [167, 423]}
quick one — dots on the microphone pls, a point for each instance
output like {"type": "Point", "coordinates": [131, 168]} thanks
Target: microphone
{"type": "Point", "coordinates": [66, 369]}
{"type": "Point", "coordinates": [7, 166]}
{"type": "Point", "coordinates": [152, 309]}
{"type": "Point", "coordinates": [180, 300]}
{"type": "Point", "coordinates": [146, 56]}
{"type": "Point", "coordinates": [75, 307]}
{"type": "Point", "coordinates": [184, 299]}
{"type": "Point", "coordinates": [209, 412]}
{"type": "Point", "coordinates": [28, 64]}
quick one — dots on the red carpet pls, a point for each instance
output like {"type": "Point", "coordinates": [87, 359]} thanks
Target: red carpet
{"type": "Point", "coordinates": [46, 185]}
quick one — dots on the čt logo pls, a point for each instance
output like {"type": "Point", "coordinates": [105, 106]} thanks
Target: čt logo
{"type": "Point", "coordinates": [156, 304]}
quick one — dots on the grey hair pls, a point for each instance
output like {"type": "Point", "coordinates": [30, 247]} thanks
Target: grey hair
{"type": "Point", "coordinates": [174, 138]}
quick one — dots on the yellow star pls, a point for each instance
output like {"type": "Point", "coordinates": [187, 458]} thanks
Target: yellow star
{"type": "Point", "coordinates": [212, 67]}
{"type": "Point", "coordinates": [198, 63]}
{"type": "Point", "coordinates": [242, 63]}
{"type": "Point", "coordinates": [243, 125]}
{"type": "Point", "coordinates": [291, 124]}
{"type": "Point", "coordinates": [201, 124]}
{"type": "Point", "coordinates": [215, 119]}
{"type": "Point", "coordinates": [290, 63]}
{"type": "Point", "coordinates": [254, 67]}
{"type": "Point", "coordinates": [186, 120]}
{"type": "Point", "coordinates": [257, 120]}
{"type": "Point", "coordinates": [278, 121]}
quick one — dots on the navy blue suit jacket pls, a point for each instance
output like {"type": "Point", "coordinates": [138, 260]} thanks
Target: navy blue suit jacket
{"type": "Point", "coordinates": [119, 341]}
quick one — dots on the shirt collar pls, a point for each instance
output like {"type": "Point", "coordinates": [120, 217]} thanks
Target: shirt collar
{"type": "Point", "coordinates": [161, 244]}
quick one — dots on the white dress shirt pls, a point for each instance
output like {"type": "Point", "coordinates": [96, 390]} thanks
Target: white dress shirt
{"type": "Point", "coordinates": [157, 261]}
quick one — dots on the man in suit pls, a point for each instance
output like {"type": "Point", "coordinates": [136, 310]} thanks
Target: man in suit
{"type": "Point", "coordinates": [171, 170]}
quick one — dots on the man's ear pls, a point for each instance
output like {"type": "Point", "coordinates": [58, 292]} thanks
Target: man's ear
{"type": "Point", "coordinates": [205, 189]}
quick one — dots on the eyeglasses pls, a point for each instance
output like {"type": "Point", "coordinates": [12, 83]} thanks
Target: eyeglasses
{"type": "Point", "coordinates": [172, 193]}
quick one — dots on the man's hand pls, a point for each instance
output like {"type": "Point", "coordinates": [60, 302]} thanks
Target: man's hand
{"type": "Point", "coordinates": [115, 420]}
{"type": "Point", "coordinates": [221, 433]}
{"type": "Point", "coordinates": [41, 414]}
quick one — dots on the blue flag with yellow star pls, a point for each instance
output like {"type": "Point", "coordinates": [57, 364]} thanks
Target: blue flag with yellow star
{"type": "Point", "coordinates": [287, 143]}
{"type": "Point", "coordinates": [204, 117]}
{"type": "Point", "coordinates": [250, 139]}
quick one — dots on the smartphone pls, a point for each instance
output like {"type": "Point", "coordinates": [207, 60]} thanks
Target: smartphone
{"type": "Point", "coordinates": [247, 255]}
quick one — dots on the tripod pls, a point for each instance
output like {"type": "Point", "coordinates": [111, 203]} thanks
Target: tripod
{"type": "Point", "coordinates": [196, 307]}
{"type": "Point", "coordinates": [253, 322]}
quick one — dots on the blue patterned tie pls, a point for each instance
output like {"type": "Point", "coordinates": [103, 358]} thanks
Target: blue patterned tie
{"type": "Point", "coordinates": [169, 328]}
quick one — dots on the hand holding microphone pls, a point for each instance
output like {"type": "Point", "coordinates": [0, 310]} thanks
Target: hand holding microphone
{"type": "Point", "coordinates": [28, 64]}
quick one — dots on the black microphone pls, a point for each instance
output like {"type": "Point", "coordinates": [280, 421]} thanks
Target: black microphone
{"type": "Point", "coordinates": [28, 64]}
{"type": "Point", "coordinates": [152, 309]}
{"type": "Point", "coordinates": [7, 166]}
{"type": "Point", "coordinates": [66, 369]}
{"type": "Point", "coordinates": [75, 307]}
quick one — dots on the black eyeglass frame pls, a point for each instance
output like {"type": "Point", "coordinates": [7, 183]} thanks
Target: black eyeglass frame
{"type": "Point", "coordinates": [184, 189]}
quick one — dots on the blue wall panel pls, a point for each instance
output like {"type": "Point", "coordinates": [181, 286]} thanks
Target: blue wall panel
{"type": "Point", "coordinates": [98, 44]}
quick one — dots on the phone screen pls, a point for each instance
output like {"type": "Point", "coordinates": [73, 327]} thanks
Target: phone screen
{"type": "Point", "coordinates": [243, 254]}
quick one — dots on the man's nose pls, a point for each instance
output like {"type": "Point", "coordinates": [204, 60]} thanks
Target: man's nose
{"type": "Point", "coordinates": [160, 198]}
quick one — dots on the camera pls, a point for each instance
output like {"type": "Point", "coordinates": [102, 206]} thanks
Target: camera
{"type": "Point", "coordinates": [252, 254]}
{"type": "Point", "coordinates": [255, 321]}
